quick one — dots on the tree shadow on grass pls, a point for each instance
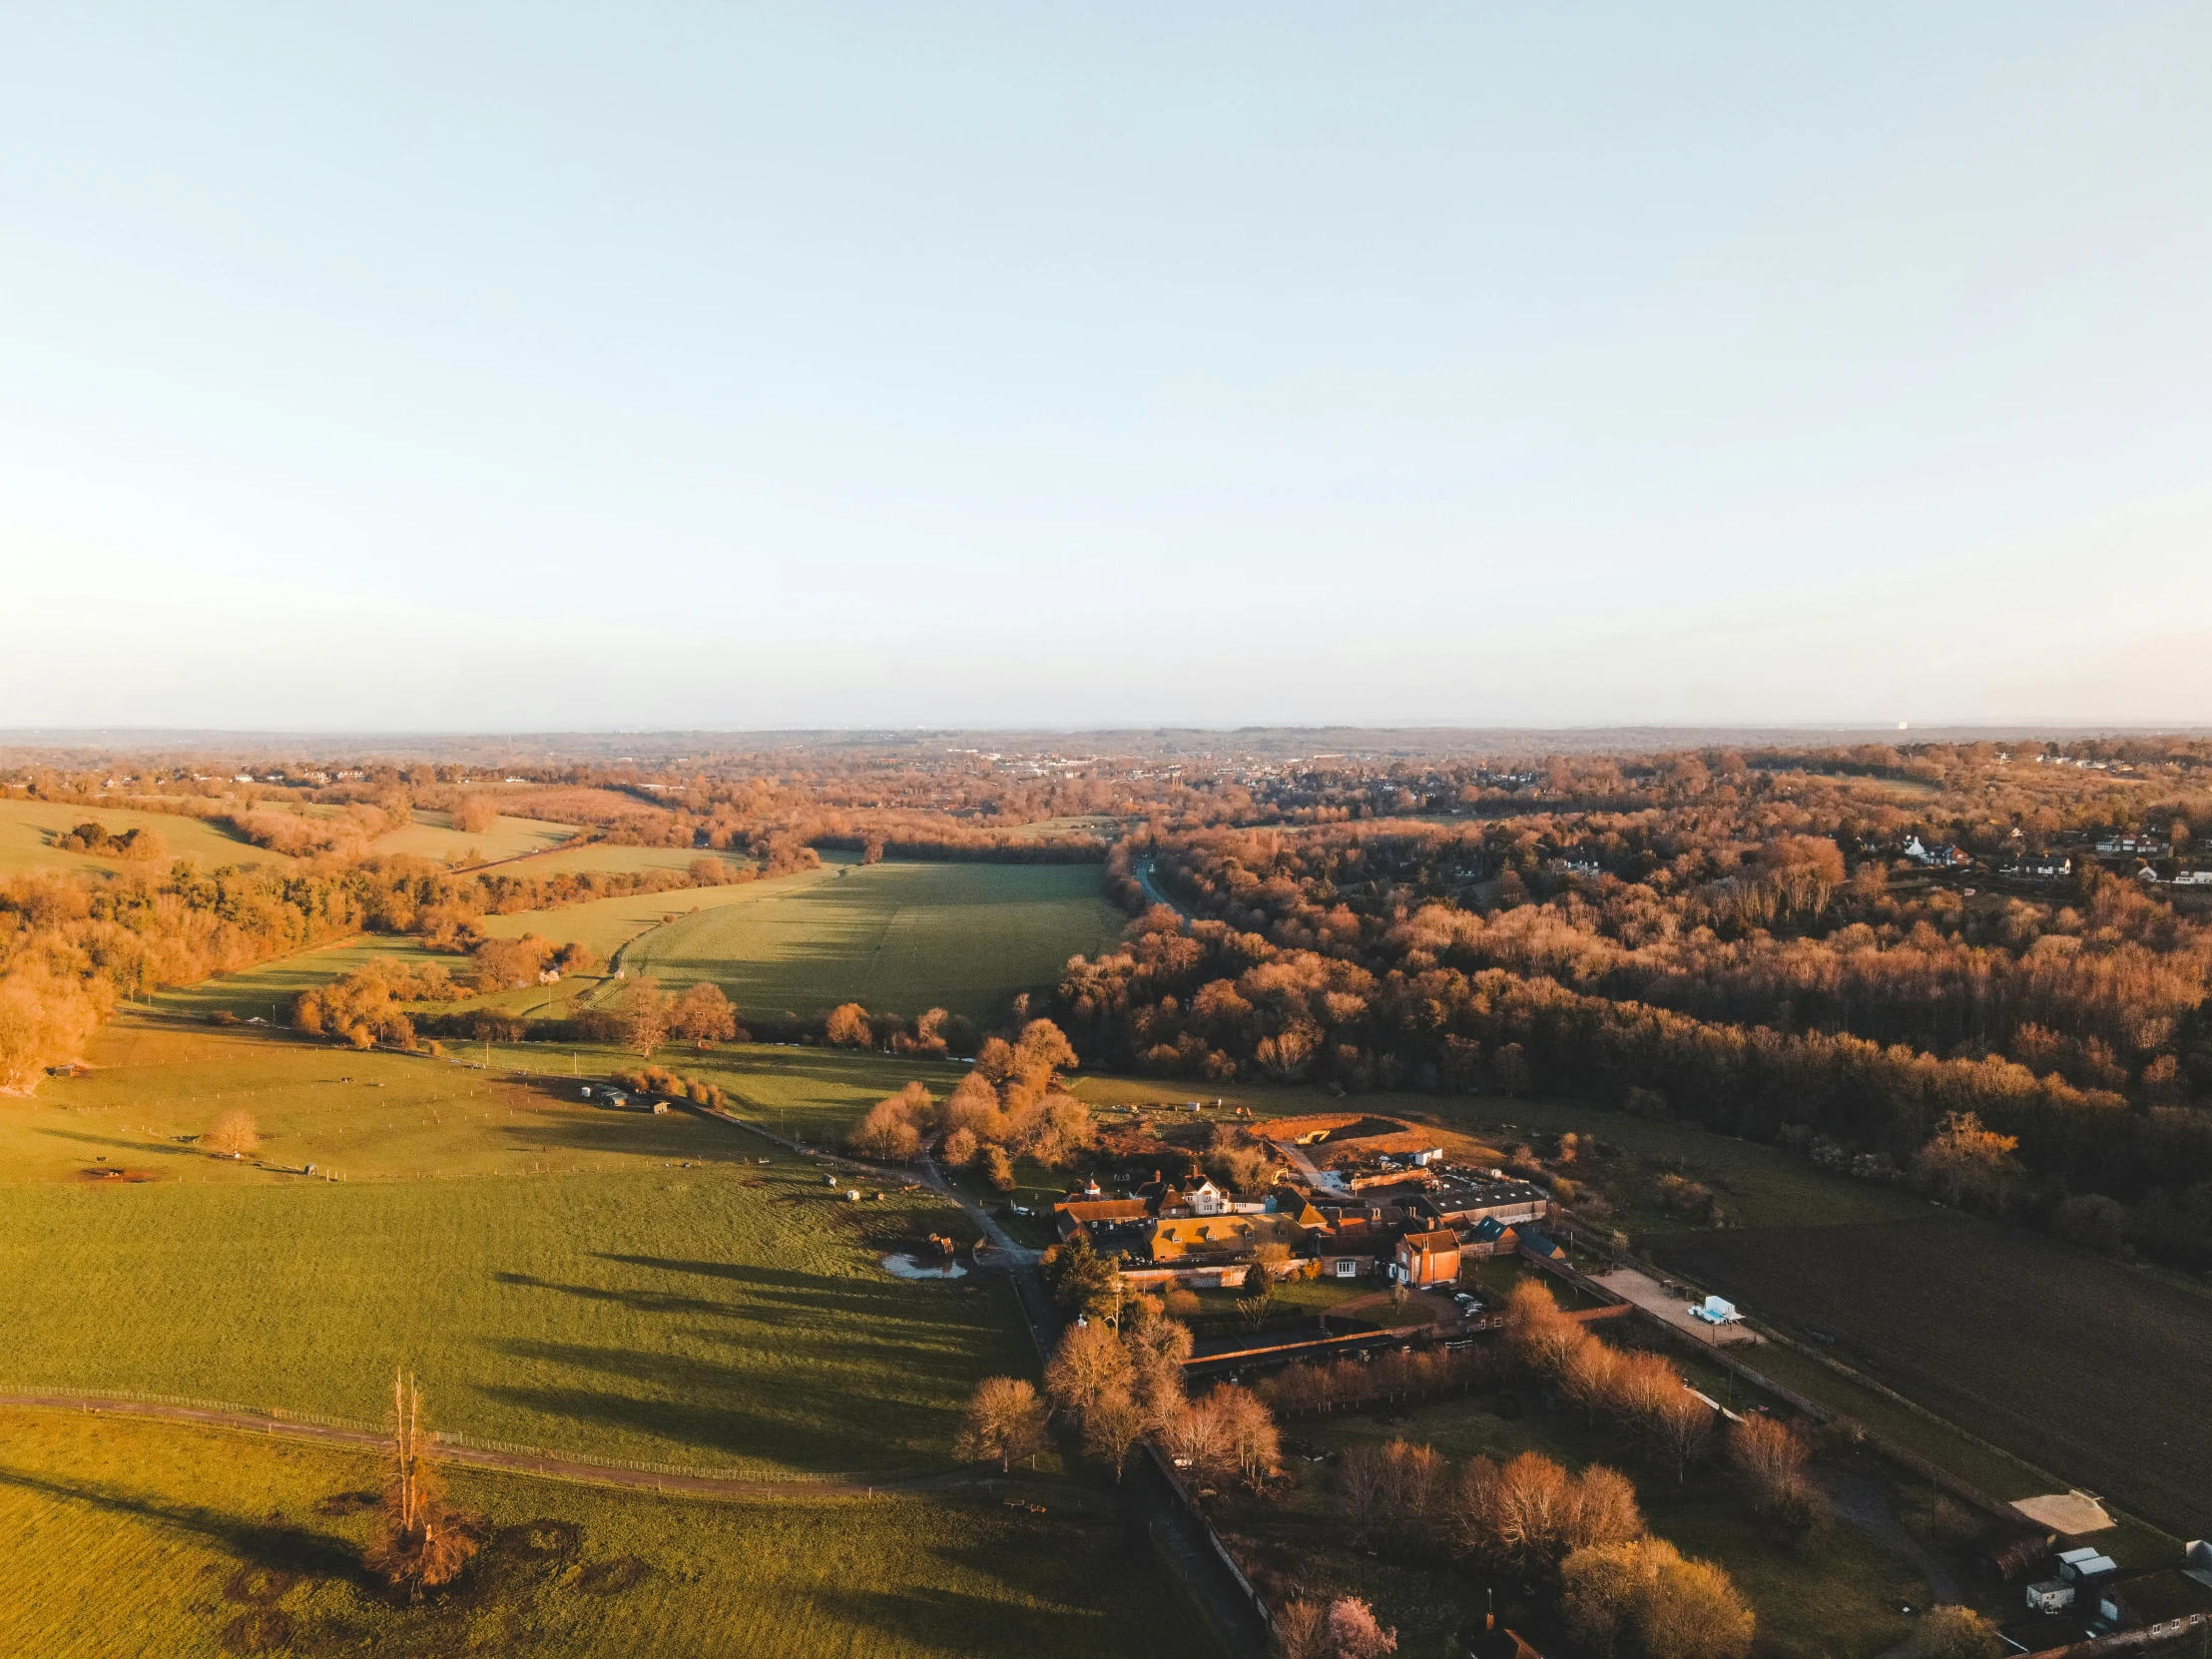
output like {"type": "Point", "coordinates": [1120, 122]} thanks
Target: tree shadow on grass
{"type": "Point", "coordinates": [1066, 1590]}
{"type": "Point", "coordinates": [274, 1545]}
{"type": "Point", "coordinates": [643, 1302]}
{"type": "Point", "coordinates": [945, 1621]}
{"type": "Point", "coordinates": [629, 1134]}
{"type": "Point", "coordinates": [698, 1404]}
{"type": "Point", "coordinates": [135, 1147]}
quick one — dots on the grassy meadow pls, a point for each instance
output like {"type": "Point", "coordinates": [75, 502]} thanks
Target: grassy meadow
{"type": "Point", "coordinates": [29, 830]}
{"type": "Point", "coordinates": [898, 938]}
{"type": "Point", "coordinates": [562, 1274]}
{"type": "Point", "coordinates": [607, 924]}
{"type": "Point", "coordinates": [432, 835]}
{"type": "Point", "coordinates": [135, 1538]}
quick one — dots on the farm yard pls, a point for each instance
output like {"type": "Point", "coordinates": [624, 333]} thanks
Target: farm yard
{"type": "Point", "coordinates": [199, 1544]}
{"type": "Point", "coordinates": [897, 937]}
{"type": "Point", "coordinates": [2070, 1362]}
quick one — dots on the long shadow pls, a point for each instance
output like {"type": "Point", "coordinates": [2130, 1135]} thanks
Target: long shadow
{"type": "Point", "coordinates": [634, 1135]}
{"type": "Point", "coordinates": [126, 1146]}
{"type": "Point", "coordinates": [827, 1315]}
{"type": "Point", "coordinates": [1049, 1607]}
{"type": "Point", "coordinates": [743, 1273]}
{"type": "Point", "coordinates": [294, 1549]}
{"type": "Point", "coordinates": [883, 1304]}
{"type": "Point", "coordinates": [644, 1302]}
{"type": "Point", "coordinates": [820, 1428]}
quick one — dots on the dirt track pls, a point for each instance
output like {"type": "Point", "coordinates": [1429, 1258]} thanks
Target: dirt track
{"type": "Point", "coordinates": [524, 1463]}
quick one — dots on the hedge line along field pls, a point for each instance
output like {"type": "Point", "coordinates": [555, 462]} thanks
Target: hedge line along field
{"type": "Point", "coordinates": [140, 1538]}
{"type": "Point", "coordinates": [897, 937]}
{"type": "Point", "coordinates": [2082, 1366]}
{"type": "Point", "coordinates": [603, 856]}
{"type": "Point", "coordinates": [266, 990]}
{"type": "Point", "coordinates": [29, 830]}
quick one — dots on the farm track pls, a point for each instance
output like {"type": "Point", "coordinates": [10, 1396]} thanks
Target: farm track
{"type": "Point", "coordinates": [547, 1465]}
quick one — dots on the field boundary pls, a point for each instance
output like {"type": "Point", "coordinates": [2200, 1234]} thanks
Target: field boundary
{"type": "Point", "coordinates": [1957, 1484]}
{"type": "Point", "coordinates": [479, 1452]}
{"type": "Point", "coordinates": [1820, 1411]}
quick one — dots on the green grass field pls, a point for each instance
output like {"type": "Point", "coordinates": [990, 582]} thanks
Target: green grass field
{"type": "Point", "coordinates": [432, 835]}
{"type": "Point", "coordinates": [29, 828]}
{"type": "Point", "coordinates": [129, 1540]}
{"type": "Point", "coordinates": [897, 937]}
{"type": "Point", "coordinates": [547, 1265]}
{"type": "Point", "coordinates": [606, 925]}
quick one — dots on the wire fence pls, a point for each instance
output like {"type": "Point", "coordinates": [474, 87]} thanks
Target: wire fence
{"type": "Point", "coordinates": [461, 1441]}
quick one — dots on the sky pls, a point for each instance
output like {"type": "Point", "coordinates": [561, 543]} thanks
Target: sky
{"type": "Point", "coordinates": [545, 367]}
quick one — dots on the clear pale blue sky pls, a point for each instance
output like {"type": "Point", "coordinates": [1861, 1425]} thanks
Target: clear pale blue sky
{"type": "Point", "coordinates": [543, 367]}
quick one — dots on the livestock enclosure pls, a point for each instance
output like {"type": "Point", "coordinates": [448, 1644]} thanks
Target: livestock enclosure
{"type": "Point", "coordinates": [2080, 1365]}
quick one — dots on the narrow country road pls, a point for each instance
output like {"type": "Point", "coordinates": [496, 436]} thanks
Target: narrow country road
{"type": "Point", "coordinates": [1147, 877]}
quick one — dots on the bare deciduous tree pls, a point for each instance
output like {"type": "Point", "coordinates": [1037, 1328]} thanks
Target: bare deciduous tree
{"type": "Point", "coordinates": [644, 1015]}
{"type": "Point", "coordinates": [1111, 1428]}
{"type": "Point", "coordinates": [1302, 1631]}
{"type": "Point", "coordinates": [422, 1542]}
{"type": "Point", "coordinates": [1769, 1457]}
{"type": "Point", "coordinates": [234, 1135]}
{"type": "Point", "coordinates": [1005, 1419]}
{"type": "Point", "coordinates": [1090, 1367]}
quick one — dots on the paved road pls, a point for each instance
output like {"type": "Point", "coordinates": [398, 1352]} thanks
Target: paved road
{"type": "Point", "coordinates": [1146, 877]}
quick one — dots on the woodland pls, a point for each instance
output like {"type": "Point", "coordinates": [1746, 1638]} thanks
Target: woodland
{"type": "Point", "coordinates": [1740, 938]}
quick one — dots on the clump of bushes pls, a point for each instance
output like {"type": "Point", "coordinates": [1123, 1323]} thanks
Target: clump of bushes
{"type": "Point", "coordinates": [139, 845]}
{"type": "Point", "coordinates": [671, 1086]}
